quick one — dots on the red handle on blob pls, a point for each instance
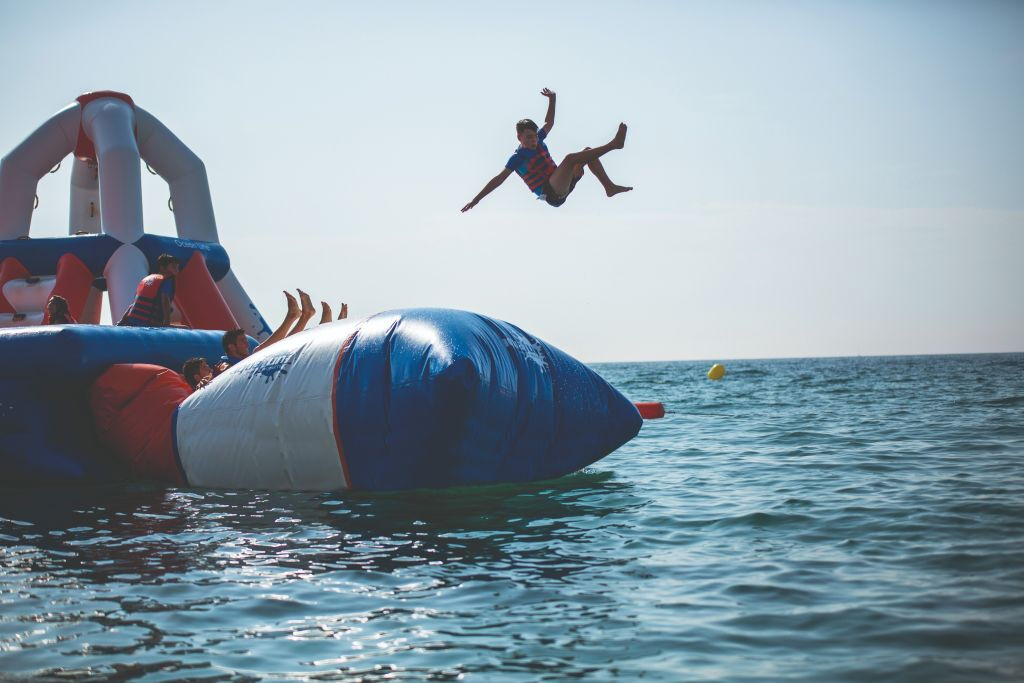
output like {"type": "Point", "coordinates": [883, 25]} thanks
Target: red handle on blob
{"type": "Point", "coordinates": [650, 410]}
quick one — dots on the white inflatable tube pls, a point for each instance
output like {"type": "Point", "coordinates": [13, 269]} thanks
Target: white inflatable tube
{"type": "Point", "coordinates": [110, 124]}
{"type": "Point", "coordinates": [242, 307]}
{"type": "Point", "coordinates": [30, 319]}
{"type": "Point", "coordinates": [185, 174]}
{"type": "Point", "coordinates": [84, 207]}
{"type": "Point", "coordinates": [29, 297]}
{"type": "Point", "coordinates": [21, 170]}
{"type": "Point", "coordinates": [268, 422]}
{"type": "Point", "coordinates": [125, 269]}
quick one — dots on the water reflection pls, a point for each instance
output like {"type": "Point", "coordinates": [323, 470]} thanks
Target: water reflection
{"type": "Point", "coordinates": [173, 574]}
{"type": "Point", "coordinates": [146, 533]}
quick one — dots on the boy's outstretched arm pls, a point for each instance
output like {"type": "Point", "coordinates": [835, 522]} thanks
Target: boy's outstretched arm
{"type": "Point", "coordinates": [549, 118]}
{"type": "Point", "coordinates": [488, 188]}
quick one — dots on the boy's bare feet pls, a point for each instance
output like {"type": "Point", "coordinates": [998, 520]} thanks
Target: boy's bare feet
{"type": "Point", "coordinates": [619, 141]}
{"type": "Point", "coordinates": [293, 306]}
{"type": "Point", "coordinates": [326, 315]}
{"type": "Point", "coordinates": [307, 305]}
{"type": "Point", "coordinates": [616, 189]}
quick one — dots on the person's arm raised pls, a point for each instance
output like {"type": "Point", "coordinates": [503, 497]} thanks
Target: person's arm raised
{"type": "Point", "coordinates": [549, 118]}
{"type": "Point", "coordinates": [491, 185]}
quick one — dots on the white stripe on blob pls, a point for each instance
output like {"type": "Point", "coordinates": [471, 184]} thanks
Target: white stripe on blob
{"type": "Point", "coordinates": [268, 422]}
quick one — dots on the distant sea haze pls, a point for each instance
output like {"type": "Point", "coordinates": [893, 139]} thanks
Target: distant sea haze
{"type": "Point", "coordinates": [807, 519]}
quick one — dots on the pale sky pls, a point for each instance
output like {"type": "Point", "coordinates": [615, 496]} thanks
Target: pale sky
{"type": "Point", "coordinates": [812, 178]}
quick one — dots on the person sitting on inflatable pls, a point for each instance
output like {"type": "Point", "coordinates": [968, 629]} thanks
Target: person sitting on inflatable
{"type": "Point", "coordinates": [236, 344]}
{"type": "Point", "coordinates": [153, 297]}
{"type": "Point", "coordinates": [57, 312]}
{"type": "Point", "coordinates": [549, 181]}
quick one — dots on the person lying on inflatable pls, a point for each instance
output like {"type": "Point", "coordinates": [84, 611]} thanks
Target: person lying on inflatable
{"type": "Point", "coordinates": [236, 344]}
{"type": "Point", "coordinates": [550, 182]}
{"type": "Point", "coordinates": [197, 372]}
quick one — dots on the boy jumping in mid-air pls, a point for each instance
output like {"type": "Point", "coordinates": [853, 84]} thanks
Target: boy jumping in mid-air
{"type": "Point", "coordinates": [548, 181]}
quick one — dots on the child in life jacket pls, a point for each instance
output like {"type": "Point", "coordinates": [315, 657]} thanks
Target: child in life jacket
{"type": "Point", "coordinates": [153, 297]}
{"type": "Point", "coordinates": [549, 181]}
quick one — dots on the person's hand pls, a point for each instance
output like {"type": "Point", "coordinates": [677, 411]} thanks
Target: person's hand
{"type": "Point", "coordinates": [467, 207]}
{"type": "Point", "coordinates": [221, 367]}
{"type": "Point", "coordinates": [307, 305]}
{"type": "Point", "coordinates": [202, 383]}
{"type": "Point", "coordinates": [547, 93]}
{"type": "Point", "coordinates": [344, 312]}
{"type": "Point", "coordinates": [293, 306]}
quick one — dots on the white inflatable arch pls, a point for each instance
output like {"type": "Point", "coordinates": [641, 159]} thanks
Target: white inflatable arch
{"type": "Point", "coordinates": [109, 134]}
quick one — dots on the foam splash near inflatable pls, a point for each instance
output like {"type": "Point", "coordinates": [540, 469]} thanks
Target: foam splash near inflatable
{"type": "Point", "coordinates": [398, 400]}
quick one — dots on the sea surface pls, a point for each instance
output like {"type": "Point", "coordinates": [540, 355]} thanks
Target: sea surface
{"type": "Point", "coordinates": [834, 519]}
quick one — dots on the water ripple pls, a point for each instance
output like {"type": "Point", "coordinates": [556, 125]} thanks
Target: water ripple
{"type": "Point", "coordinates": [830, 519]}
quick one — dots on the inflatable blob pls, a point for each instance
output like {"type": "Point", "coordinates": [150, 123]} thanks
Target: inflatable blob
{"type": "Point", "coordinates": [717, 371]}
{"type": "Point", "coordinates": [400, 400]}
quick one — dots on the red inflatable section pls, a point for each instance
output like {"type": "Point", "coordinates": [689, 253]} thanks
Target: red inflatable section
{"type": "Point", "coordinates": [197, 297]}
{"type": "Point", "coordinates": [650, 410]}
{"type": "Point", "coordinates": [10, 269]}
{"type": "Point", "coordinates": [74, 280]}
{"type": "Point", "coordinates": [133, 409]}
{"type": "Point", "coordinates": [84, 148]}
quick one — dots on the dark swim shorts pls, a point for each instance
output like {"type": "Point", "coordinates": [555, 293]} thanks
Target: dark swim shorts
{"type": "Point", "coordinates": [549, 194]}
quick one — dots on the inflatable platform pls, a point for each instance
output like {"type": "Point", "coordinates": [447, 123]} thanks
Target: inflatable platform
{"type": "Point", "coordinates": [399, 400]}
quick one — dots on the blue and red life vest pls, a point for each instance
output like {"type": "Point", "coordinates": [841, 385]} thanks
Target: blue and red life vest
{"type": "Point", "coordinates": [534, 166]}
{"type": "Point", "coordinates": [147, 309]}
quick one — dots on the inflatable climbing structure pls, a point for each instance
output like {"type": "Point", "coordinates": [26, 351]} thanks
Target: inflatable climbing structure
{"type": "Point", "coordinates": [108, 250]}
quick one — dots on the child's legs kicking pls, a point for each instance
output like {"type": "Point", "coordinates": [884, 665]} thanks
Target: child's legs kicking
{"type": "Point", "coordinates": [566, 171]}
{"type": "Point", "coordinates": [610, 188]}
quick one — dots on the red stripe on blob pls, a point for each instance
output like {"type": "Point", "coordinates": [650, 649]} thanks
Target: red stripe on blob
{"type": "Point", "coordinates": [334, 408]}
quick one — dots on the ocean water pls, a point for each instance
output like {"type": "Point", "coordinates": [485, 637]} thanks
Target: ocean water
{"type": "Point", "coordinates": [823, 520]}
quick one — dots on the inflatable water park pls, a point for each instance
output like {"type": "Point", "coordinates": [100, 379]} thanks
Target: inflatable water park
{"type": "Point", "coordinates": [398, 400]}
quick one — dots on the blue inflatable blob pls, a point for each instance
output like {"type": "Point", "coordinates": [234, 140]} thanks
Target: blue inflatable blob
{"type": "Point", "coordinates": [434, 397]}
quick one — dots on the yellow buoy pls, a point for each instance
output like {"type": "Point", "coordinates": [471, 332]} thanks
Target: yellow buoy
{"type": "Point", "coordinates": [717, 371]}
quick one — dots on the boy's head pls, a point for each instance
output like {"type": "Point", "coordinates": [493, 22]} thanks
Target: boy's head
{"type": "Point", "coordinates": [235, 343]}
{"type": "Point", "coordinates": [57, 306]}
{"type": "Point", "coordinates": [196, 369]}
{"type": "Point", "coordinates": [526, 131]}
{"type": "Point", "coordinates": [167, 265]}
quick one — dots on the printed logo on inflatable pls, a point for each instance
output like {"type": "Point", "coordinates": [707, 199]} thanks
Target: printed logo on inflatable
{"type": "Point", "coordinates": [270, 369]}
{"type": "Point", "coordinates": [531, 350]}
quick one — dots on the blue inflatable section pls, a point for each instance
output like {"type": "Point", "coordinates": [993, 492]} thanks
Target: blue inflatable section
{"type": "Point", "coordinates": [434, 397]}
{"type": "Point", "coordinates": [46, 430]}
{"type": "Point", "coordinates": [40, 256]}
